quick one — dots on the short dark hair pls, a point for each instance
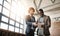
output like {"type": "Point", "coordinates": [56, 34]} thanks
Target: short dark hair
{"type": "Point", "coordinates": [41, 10]}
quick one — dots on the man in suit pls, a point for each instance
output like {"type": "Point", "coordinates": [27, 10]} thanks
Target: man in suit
{"type": "Point", "coordinates": [46, 24]}
{"type": "Point", "coordinates": [30, 22]}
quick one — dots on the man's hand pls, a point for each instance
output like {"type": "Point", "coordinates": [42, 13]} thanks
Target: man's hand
{"type": "Point", "coordinates": [35, 24]}
{"type": "Point", "coordinates": [40, 25]}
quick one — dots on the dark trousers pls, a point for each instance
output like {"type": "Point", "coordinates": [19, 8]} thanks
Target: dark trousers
{"type": "Point", "coordinates": [40, 35]}
{"type": "Point", "coordinates": [30, 34]}
{"type": "Point", "coordinates": [47, 35]}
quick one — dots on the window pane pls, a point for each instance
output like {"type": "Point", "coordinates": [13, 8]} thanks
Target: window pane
{"type": "Point", "coordinates": [5, 12]}
{"type": "Point", "coordinates": [4, 26]}
{"type": "Point", "coordinates": [12, 15]}
{"type": "Point", "coordinates": [17, 18]}
{"type": "Point", "coordinates": [1, 1]}
{"type": "Point", "coordinates": [0, 8]}
{"type": "Point", "coordinates": [21, 31]}
{"type": "Point", "coordinates": [4, 19]}
{"type": "Point", "coordinates": [11, 28]}
{"type": "Point", "coordinates": [21, 21]}
{"type": "Point", "coordinates": [7, 5]}
{"type": "Point", "coordinates": [11, 22]}
{"type": "Point", "coordinates": [21, 26]}
{"type": "Point", "coordinates": [16, 29]}
{"type": "Point", "coordinates": [14, 7]}
{"type": "Point", "coordinates": [17, 24]}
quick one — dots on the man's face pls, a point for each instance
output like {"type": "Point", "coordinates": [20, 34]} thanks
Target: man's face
{"type": "Point", "coordinates": [31, 12]}
{"type": "Point", "coordinates": [40, 13]}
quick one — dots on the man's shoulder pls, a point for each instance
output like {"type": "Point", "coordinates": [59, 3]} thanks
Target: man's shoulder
{"type": "Point", "coordinates": [47, 16]}
{"type": "Point", "coordinates": [28, 17]}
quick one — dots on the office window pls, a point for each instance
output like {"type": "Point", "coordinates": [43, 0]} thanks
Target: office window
{"type": "Point", "coordinates": [11, 28]}
{"type": "Point", "coordinates": [11, 22]}
{"type": "Point", "coordinates": [6, 4]}
{"type": "Point", "coordinates": [4, 26]}
{"type": "Point", "coordinates": [0, 8]}
{"type": "Point", "coordinates": [5, 12]}
{"type": "Point", "coordinates": [17, 24]}
{"type": "Point", "coordinates": [16, 29]}
{"type": "Point", "coordinates": [21, 30]}
{"type": "Point", "coordinates": [1, 1]}
{"type": "Point", "coordinates": [21, 26]}
{"type": "Point", "coordinates": [4, 19]}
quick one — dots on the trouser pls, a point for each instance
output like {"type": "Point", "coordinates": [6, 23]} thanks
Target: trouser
{"type": "Point", "coordinates": [47, 35]}
{"type": "Point", "coordinates": [30, 34]}
{"type": "Point", "coordinates": [40, 35]}
{"type": "Point", "coordinates": [27, 34]}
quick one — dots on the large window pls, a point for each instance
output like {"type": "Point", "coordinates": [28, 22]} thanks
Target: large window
{"type": "Point", "coordinates": [11, 16]}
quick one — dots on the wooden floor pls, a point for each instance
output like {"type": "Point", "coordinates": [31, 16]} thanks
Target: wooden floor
{"type": "Point", "coordinates": [55, 29]}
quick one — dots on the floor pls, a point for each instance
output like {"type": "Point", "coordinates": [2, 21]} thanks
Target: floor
{"type": "Point", "coordinates": [55, 29]}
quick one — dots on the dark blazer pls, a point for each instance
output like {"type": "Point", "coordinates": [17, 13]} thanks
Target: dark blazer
{"type": "Point", "coordinates": [47, 25]}
{"type": "Point", "coordinates": [29, 24]}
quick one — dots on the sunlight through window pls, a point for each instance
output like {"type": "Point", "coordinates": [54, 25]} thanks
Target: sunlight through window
{"type": "Point", "coordinates": [17, 25]}
{"type": "Point", "coordinates": [11, 28]}
{"type": "Point", "coordinates": [5, 12]}
{"type": "Point", "coordinates": [12, 15]}
{"type": "Point", "coordinates": [4, 26]}
{"type": "Point", "coordinates": [4, 19]}
{"type": "Point", "coordinates": [21, 31]}
{"type": "Point", "coordinates": [21, 26]}
{"type": "Point", "coordinates": [11, 22]}
{"type": "Point", "coordinates": [16, 29]}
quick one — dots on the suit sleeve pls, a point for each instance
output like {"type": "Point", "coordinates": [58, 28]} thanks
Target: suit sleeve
{"type": "Point", "coordinates": [28, 21]}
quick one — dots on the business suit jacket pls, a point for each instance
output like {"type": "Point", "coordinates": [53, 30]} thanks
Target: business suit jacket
{"type": "Point", "coordinates": [29, 21]}
{"type": "Point", "coordinates": [47, 25]}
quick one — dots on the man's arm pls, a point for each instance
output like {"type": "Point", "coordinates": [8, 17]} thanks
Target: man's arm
{"type": "Point", "coordinates": [27, 19]}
